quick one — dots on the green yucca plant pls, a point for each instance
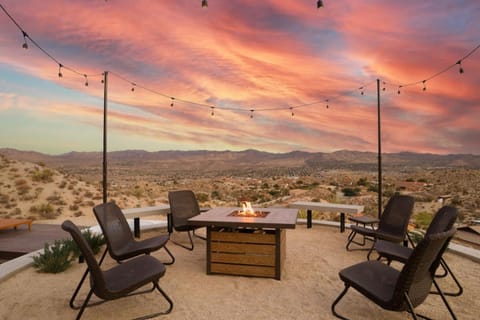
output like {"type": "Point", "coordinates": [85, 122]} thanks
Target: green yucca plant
{"type": "Point", "coordinates": [58, 257]}
{"type": "Point", "coordinates": [95, 241]}
{"type": "Point", "coordinates": [54, 259]}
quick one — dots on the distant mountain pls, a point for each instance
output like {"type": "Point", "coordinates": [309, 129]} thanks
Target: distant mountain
{"type": "Point", "coordinates": [200, 162]}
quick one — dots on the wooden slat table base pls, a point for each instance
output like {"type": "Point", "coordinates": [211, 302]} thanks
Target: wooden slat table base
{"type": "Point", "coordinates": [256, 252]}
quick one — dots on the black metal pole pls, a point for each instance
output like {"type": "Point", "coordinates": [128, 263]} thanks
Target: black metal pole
{"type": "Point", "coordinates": [379, 152]}
{"type": "Point", "coordinates": [105, 79]}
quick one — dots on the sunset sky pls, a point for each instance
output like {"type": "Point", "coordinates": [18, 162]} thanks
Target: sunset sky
{"type": "Point", "coordinates": [285, 60]}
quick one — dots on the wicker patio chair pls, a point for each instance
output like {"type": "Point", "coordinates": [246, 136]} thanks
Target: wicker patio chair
{"type": "Point", "coordinates": [183, 206]}
{"type": "Point", "coordinates": [397, 290]}
{"type": "Point", "coordinates": [392, 225]}
{"type": "Point", "coordinates": [443, 220]}
{"type": "Point", "coordinates": [121, 244]}
{"type": "Point", "coordinates": [122, 280]}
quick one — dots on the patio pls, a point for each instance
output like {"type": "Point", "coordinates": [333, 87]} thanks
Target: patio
{"type": "Point", "coordinates": [309, 285]}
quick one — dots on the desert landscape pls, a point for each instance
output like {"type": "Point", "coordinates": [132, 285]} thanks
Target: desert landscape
{"type": "Point", "coordinates": [45, 187]}
{"type": "Point", "coordinates": [50, 189]}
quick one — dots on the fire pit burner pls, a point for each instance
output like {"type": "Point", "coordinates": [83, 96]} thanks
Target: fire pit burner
{"type": "Point", "coordinates": [248, 211]}
{"type": "Point", "coordinates": [254, 214]}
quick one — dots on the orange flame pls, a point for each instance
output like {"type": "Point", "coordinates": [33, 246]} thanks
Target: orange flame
{"type": "Point", "coordinates": [247, 209]}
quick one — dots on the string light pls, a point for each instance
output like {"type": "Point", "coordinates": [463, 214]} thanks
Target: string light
{"type": "Point", "coordinates": [60, 66]}
{"type": "Point", "coordinates": [399, 87]}
{"type": "Point", "coordinates": [319, 4]}
{"type": "Point", "coordinates": [25, 44]}
{"type": "Point", "coordinates": [173, 99]}
{"type": "Point", "coordinates": [213, 111]}
{"type": "Point", "coordinates": [86, 80]}
{"type": "Point", "coordinates": [383, 82]}
{"type": "Point", "coordinates": [291, 109]}
{"type": "Point", "coordinates": [460, 68]}
{"type": "Point", "coordinates": [133, 87]}
{"type": "Point", "coordinates": [204, 4]}
{"type": "Point", "coordinates": [251, 113]}
{"type": "Point", "coordinates": [361, 91]}
{"type": "Point", "coordinates": [424, 86]}
{"type": "Point", "coordinates": [327, 103]}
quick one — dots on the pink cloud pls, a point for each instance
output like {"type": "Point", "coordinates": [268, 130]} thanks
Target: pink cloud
{"type": "Point", "coordinates": [261, 55]}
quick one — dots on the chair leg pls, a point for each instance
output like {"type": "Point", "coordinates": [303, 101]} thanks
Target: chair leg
{"type": "Point", "coordinates": [444, 264]}
{"type": "Point", "coordinates": [184, 246]}
{"type": "Point", "coordinates": [411, 309]}
{"type": "Point", "coordinates": [371, 249]}
{"type": "Point", "coordinates": [200, 237]}
{"type": "Point", "coordinates": [84, 305]}
{"type": "Point", "coordinates": [350, 238]}
{"type": "Point", "coordinates": [338, 300]}
{"type": "Point", "coordinates": [172, 261]}
{"type": "Point", "coordinates": [444, 299]}
{"type": "Point", "coordinates": [79, 286]}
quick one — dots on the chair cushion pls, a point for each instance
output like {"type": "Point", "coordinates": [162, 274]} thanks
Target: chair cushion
{"type": "Point", "coordinates": [131, 275]}
{"type": "Point", "coordinates": [135, 248]}
{"type": "Point", "coordinates": [364, 231]}
{"type": "Point", "coordinates": [393, 251]}
{"type": "Point", "coordinates": [373, 279]}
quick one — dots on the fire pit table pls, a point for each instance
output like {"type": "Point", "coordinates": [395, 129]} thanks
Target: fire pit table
{"type": "Point", "coordinates": [246, 245]}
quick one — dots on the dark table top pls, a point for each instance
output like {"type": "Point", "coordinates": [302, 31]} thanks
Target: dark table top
{"type": "Point", "coordinates": [282, 218]}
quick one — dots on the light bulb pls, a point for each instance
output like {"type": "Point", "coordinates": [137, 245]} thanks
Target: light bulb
{"type": "Point", "coordinates": [25, 44]}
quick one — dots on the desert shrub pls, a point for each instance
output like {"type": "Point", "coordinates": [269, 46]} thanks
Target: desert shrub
{"type": "Point", "coordinates": [45, 210]}
{"type": "Point", "coordinates": [55, 258]}
{"type": "Point", "coordinates": [88, 203]}
{"type": "Point", "coordinates": [4, 198]}
{"type": "Point", "coordinates": [62, 184]}
{"type": "Point", "coordinates": [456, 201]}
{"type": "Point", "coordinates": [423, 219]}
{"type": "Point", "coordinates": [22, 186]}
{"type": "Point", "coordinates": [78, 213]}
{"type": "Point", "coordinates": [40, 163]}
{"type": "Point", "coordinates": [88, 194]}
{"type": "Point", "coordinates": [416, 235]}
{"type": "Point", "coordinates": [351, 192]}
{"type": "Point", "coordinates": [38, 191]}
{"type": "Point", "coordinates": [137, 192]}
{"type": "Point", "coordinates": [73, 207]}
{"type": "Point", "coordinates": [362, 182]}
{"type": "Point", "coordinates": [56, 199]}
{"type": "Point", "coordinates": [94, 240]}
{"type": "Point", "coordinates": [202, 196]}
{"type": "Point", "coordinates": [45, 175]}
{"type": "Point", "coordinates": [274, 193]}
{"type": "Point", "coordinates": [388, 193]}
